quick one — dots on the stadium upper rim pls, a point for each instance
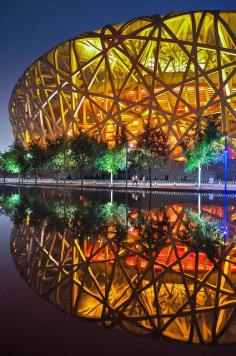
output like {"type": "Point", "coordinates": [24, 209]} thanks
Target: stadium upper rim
{"type": "Point", "coordinates": [28, 89]}
{"type": "Point", "coordinates": [81, 35]}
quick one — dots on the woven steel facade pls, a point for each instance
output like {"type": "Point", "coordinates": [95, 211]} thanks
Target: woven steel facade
{"type": "Point", "coordinates": [173, 71]}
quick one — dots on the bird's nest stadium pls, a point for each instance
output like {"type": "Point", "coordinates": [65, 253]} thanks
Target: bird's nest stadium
{"type": "Point", "coordinates": [173, 71]}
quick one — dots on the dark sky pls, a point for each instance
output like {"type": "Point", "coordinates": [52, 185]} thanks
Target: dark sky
{"type": "Point", "coordinates": [28, 28]}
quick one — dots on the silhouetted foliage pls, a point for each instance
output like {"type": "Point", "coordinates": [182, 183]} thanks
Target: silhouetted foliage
{"type": "Point", "coordinates": [152, 150]}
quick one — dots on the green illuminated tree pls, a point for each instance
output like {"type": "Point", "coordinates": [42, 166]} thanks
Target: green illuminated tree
{"type": "Point", "coordinates": [112, 161]}
{"type": "Point", "coordinates": [205, 149]}
{"type": "Point", "coordinates": [152, 150]}
{"type": "Point", "coordinates": [20, 155]}
{"type": "Point", "coordinates": [9, 163]}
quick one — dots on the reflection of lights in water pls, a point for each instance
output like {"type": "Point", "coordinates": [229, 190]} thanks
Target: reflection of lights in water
{"type": "Point", "coordinates": [168, 289]}
{"type": "Point", "coordinates": [130, 267]}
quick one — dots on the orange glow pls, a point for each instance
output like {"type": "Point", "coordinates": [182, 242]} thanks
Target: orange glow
{"type": "Point", "coordinates": [94, 84]}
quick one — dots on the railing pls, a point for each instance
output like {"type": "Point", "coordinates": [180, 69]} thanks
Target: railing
{"type": "Point", "coordinates": [130, 183]}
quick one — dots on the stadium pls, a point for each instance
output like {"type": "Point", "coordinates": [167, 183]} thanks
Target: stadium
{"type": "Point", "coordinates": [174, 71]}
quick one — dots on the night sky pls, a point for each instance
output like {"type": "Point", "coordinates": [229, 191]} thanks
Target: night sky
{"type": "Point", "coordinates": [29, 28]}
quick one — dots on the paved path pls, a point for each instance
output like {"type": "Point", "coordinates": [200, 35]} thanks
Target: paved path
{"type": "Point", "coordinates": [121, 184]}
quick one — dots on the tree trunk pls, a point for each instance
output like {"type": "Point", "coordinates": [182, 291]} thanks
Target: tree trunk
{"type": "Point", "coordinates": [82, 178]}
{"type": "Point", "coordinates": [199, 176]}
{"type": "Point", "coordinates": [35, 176]}
{"type": "Point", "coordinates": [150, 175]}
{"type": "Point", "coordinates": [111, 178]}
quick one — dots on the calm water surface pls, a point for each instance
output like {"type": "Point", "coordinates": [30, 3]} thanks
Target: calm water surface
{"type": "Point", "coordinates": [151, 264]}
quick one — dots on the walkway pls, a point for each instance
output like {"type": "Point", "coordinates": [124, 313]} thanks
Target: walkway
{"type": "Point", "coordinates": [121, 184]}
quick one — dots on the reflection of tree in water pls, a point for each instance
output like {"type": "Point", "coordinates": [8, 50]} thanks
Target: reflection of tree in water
{"type": "Point", "coordinates": [138, 274]}
{"type": "Point", "coordinates": [9, 204]}
{"type": "Point", "coordinates": [202, 234]}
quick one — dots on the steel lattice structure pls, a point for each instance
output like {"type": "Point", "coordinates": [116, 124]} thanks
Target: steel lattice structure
{"type": "Point", "coordinates": [170, 290]}
{"type": "Point", "coordinates": [173, 71]}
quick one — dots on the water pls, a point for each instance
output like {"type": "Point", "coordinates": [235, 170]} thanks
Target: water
{"type": "Point", "coordinates": [152, 264]}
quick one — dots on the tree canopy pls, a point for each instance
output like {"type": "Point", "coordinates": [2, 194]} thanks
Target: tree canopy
{"type": "Point", "coordinates": [206, 148]}
{"type": "Point", "coordinates": [152, 149]}
{"type": "Point", "coordinates": [113, 160]}
{"type": "Point", "coordinates": [8, 163]}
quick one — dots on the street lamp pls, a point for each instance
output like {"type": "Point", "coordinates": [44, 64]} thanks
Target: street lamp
{"type": "Point", "coordinates": [225, 186]}
{"type": "Point", "coordinates": [225, 162]}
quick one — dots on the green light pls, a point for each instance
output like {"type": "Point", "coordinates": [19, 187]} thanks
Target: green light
{"type": "Point", "coordinates": [13, 200]}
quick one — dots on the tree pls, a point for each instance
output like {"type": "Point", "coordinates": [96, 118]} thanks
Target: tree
{"type": "Point", "coordinates": [8, 164]}
{"type": "Point", "coordinates": [206, 149]}
{"type": "Point", "coordinates": [83, 150]}
{"type": "Point", "coordinates": [112, 160]}
{"type": "Point", "coordinates": [152, 150]}
{"type": "Point", "coordinates": [22, 158]}
{"type": "Point", "coordinates": [59, 156]}
{"type": "Point", "coordinates": [201, 234]}
{"type": "Point", "coordinates": [36, 158]}
{"type": "Point", "coordinates": [121, 140]}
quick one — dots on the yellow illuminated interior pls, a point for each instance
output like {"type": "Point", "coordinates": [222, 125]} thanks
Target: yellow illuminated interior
{"type": "Point", "coordinates": [173, 71]}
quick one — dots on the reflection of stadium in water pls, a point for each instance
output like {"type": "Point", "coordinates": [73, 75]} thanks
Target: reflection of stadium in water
{"type": "Point", "coordinates": [131, 267]}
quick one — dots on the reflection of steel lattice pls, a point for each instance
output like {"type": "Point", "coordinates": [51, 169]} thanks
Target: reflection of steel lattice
{"type": "Point", "coordinates": [173, 70]}
{"type": "Point", "coordinates": [170, 290]}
